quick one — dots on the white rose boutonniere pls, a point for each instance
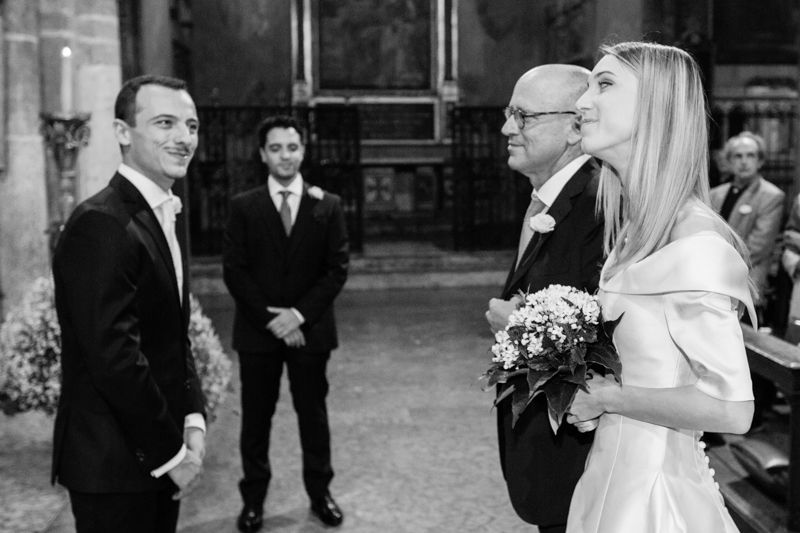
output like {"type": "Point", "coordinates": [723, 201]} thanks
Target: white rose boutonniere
{"type": "Point", "coordinates": [745, 209]}
{"type": "Point", "coordinates": [316, 193]}
{"type": "Point", "coordinates": [542, 223]}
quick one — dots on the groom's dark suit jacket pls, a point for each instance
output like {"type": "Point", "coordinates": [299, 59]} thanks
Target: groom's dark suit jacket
{"type": "Point", "coordinates": [541, 469]}
{"type": "Point", "coordinates": [128, 376]}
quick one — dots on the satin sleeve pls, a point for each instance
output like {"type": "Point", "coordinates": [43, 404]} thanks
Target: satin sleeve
{"type": "Point", "coordinates": [705, 327]}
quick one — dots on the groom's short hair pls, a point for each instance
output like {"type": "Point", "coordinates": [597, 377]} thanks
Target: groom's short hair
{"type": "Point", "coordinates": [125, 104]}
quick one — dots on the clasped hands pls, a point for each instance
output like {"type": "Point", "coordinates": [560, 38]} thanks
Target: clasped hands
{"type": "Point", "coordinates": [186, 474]}
{"type": "Point", "coordinates": [586, 408]}
{"type": "Point", "coordinates": [286, 326]}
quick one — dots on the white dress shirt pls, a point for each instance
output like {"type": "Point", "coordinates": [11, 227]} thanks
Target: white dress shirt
{"type": "Point", "coordinates": [548, 192]}
{"type": "Point", "coordinates": [155, 196]}
{"type": "Point", "coordinates": [295, 189]}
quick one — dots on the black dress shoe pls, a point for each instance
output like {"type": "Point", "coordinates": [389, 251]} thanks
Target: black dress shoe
{"type": "Point", "coordinates": [250, 519]}
{"type": "Point", "coordinates": [327, 511]}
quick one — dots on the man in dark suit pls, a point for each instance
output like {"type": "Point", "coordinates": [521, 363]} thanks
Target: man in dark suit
{"type": "Point", "coordinates": [285, 260]}
{"type": "Point", "coordinates": [541, 469]}
{"type": "Point", "coordinates": [129, 432]}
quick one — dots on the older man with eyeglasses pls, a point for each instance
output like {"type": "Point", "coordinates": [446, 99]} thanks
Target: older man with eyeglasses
{"type": "Point", "coordinates": [543, 132]}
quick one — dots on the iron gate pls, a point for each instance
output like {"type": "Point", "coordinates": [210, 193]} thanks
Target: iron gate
{"type": "Point", "coordinates": [489, 199]}
{"type": "Point", "coordinates": [227, 162]}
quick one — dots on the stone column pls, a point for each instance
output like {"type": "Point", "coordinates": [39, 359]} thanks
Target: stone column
{"type": "Point", "coordinates": [97, 59]}
{"type": "Point", "coordinates": [156, 39]}
{"type": "Point", "coordinates": [23, 211]}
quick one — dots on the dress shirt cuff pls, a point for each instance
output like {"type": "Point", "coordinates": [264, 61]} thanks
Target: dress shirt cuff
{"type": "Point", "coordinates": [195, 420]}
{"type": "Point", "coordinates": [169, 465]}
{"type": "Point", "coordinates": [299, 316]}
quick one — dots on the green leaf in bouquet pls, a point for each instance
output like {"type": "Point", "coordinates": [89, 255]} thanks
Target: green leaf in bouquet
{"type": "Point", "coordinates": [497, 374]}
{"type": "Point", "coordinates": [519, 401]}
{"type": "Point", "coordinates": [576, 357]}
{"type": "Point", "coordinates": [605, 355]}
{"type": "Point", "coordinates": [559, 397]}
{"type": "Point", "coordinates": [536, 380]}
{"type": "Point", "coordinates": [507, 391]}
{"type": "Point", "coordinates": [609, 326]}
{"type": "Point", "coordinates": [578, 376]}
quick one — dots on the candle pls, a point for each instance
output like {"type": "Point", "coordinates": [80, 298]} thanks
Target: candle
{"type": "Point", "coordinates": [66, 80]}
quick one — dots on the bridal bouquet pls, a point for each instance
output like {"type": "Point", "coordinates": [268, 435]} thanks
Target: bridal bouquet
{"type": "Point", "coordinates": [554, 338]}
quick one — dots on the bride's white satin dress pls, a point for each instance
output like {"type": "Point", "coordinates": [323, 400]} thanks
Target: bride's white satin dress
{"type": "Point", "coordinates": [680, 327]}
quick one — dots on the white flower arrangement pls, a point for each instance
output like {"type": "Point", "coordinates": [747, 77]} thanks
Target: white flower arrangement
{"type": "Point", "coordinates": [552, 339]}
{"type": "Point", "coordinates": [30, 350]}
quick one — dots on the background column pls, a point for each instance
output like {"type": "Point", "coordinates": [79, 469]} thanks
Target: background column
{"type": "Point", "coordinates": [24, 253]}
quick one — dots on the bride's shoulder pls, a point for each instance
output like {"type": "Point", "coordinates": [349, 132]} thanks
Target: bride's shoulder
{"type": "Point", "coordinates": [696, 217]}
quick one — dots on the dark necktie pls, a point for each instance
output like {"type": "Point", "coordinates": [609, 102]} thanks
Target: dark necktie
{"type": "Point", "coordinates": [285, 212]}
{"type": "Point", "coordinates": [534, 208]}
{"type": "Point", "coordinates": [730, 200]}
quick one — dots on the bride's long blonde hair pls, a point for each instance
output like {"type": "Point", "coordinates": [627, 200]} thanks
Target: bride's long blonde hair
{"type": "Point", "coordinates": [668, 163]}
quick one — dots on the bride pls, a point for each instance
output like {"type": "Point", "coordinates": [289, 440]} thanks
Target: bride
{"type": "Point", "coordinates": [676, 274]}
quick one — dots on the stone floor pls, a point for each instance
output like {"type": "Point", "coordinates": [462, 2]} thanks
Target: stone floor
{"type": "Point", "coordinates": [414, 445]}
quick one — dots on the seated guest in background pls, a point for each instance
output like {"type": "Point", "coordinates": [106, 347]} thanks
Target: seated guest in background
{"type": "Point", "coordinates": [754, 209]}
{"type": "Point", "coordinates": [751, 205]}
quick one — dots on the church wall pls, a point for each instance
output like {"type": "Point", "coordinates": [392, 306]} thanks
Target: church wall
{"type": "Point", "coordinates": [242, 52]}
{"type": "Point", "coordinates": [498, 41]}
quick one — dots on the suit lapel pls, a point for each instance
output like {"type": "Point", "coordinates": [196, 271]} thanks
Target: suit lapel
{"type": "Point", "coordinates": [143, 215]}
{"type": "Point", "coordinates": [559, 210]}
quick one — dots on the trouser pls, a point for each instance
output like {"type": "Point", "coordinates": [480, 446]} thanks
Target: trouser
{"type": "Point", "coordinates": [132, 512]}
{"type": "Point", "coordinates": [261, 378]}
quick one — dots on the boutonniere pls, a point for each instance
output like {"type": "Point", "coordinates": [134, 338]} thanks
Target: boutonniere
{"type": "Point", "coordinates": [316, 193]}
{"type": "Point", "coordinates": [745, 209]}
{"type": "Point", "coordinates": [542, 223]}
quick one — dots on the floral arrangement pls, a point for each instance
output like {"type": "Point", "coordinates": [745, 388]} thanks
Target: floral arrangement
{"type": "Point", "coordinates": [554, 339]}
{"type": "Point", "coordinates": [213, 365]}
{"type": "Point", "coordinates": [30, 350]}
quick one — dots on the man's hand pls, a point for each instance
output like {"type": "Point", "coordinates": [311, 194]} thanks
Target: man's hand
{"type": "Point", "coordinates": [185, 475]}
{"type": "Point", "coordinates": [295, 339]}
{"type": "Point", "coordinates": [500, 310]}
{"type": "Point", "coordinates": [284, 323]}
{"type": "Point", "coordinates": [789, 260]}
{"type": "Point", "coordinates": [195, 440]}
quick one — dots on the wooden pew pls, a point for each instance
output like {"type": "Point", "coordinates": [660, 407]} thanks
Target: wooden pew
{"type": "Point", "coordinates": [778, 361]}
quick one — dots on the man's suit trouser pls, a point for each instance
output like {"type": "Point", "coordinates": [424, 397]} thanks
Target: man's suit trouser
{"type": "Point", "coordinates": [261, 378]}
{"type": "Point", "coordinates": [130, 512]}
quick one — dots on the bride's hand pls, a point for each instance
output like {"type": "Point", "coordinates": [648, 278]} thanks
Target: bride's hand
{"type": "Point", "coordinates": [587, 407]}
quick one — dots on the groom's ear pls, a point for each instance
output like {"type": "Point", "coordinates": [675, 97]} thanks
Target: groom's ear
{"type": "Point", "coordinates": [122, 131]}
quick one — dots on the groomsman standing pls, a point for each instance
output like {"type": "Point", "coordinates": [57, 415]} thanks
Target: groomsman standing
{"type": "Point", "coordinates": [130, 430]}
{"type": "Point", "coordinates": [543, 130]}
{"type": "Point", "coordinates": [285, 261]}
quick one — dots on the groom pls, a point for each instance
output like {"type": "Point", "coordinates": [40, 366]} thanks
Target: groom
{"type": "Point", "coordinates": [543, 132]}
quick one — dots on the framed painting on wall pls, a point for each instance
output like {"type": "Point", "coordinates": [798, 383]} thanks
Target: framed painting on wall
{"type": "Point", "coordinates": [376, 45]}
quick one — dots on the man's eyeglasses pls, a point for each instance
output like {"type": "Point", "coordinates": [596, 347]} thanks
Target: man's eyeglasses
{"type": "Point", "coordinates": [520, 116]}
